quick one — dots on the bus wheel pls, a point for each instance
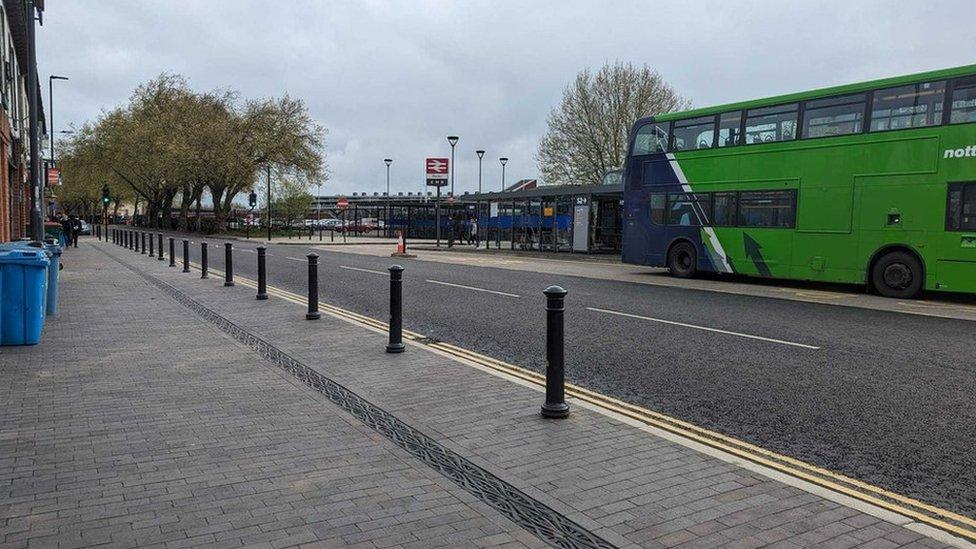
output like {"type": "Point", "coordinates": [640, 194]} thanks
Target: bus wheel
{"type": "Point", "coordinates": [897, 274]}
{"type": "Point", "coordinates": [683, 260]}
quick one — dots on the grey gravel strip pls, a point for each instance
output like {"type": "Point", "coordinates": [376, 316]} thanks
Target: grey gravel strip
{"type": "Point", "coordinates": [545, 523]}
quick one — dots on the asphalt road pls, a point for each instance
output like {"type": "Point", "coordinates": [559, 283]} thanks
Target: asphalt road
{"type": "Point", "coordinates": [885, 397]}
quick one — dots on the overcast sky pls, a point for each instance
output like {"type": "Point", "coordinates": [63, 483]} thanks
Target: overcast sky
{"type": "Point", "coordinates": [393, 79]}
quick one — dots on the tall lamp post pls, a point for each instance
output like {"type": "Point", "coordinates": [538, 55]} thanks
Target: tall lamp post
{"type": "Point", "coordinates": [504, 161]}
{"type": "Point", "coordinates": [480, 154]}
{"type": "Point", "coordinates": [452, 139]}
{"type": "Point", "coordinates": [50, 105]}
{"type": "Point", "coordinates": [388, 161]}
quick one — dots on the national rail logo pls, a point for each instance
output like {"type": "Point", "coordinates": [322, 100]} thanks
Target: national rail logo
{"type": "Point", "coordinates": [969, 152]}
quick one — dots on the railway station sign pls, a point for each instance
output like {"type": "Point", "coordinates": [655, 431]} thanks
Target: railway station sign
{"type": "Point", "coordinates": [342, 203]}
{"type": "Point", "coordinates": [436, 169]}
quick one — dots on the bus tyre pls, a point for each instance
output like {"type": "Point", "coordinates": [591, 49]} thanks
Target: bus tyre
{"type": "Point", "coordinates": [897, 274]}
{"type": "Point", "coordinates": [683, 260]}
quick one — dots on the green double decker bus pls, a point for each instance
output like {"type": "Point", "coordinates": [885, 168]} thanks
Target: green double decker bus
{"type": "Point", "coordinates": [871, 183]}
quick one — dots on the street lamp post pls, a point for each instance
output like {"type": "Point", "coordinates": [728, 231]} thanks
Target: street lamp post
{"type": "Point", "coordinates": [452, 139]}
{"type": "Point", "coordinates": [388, 161]}
{"type": "Point", "coordinates": [480, 154]}
{"type": "Point", "coordinates": [504, 161]}
{"type": "Point", "coordinates": [50, 106]}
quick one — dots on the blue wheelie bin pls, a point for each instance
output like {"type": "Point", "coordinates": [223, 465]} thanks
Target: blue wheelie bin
{"type": "Point", "coordinates": [23, 289]}
{"type": "Point", "coordinates": [53, 250]}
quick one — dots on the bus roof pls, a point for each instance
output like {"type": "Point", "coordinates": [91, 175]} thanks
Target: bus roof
{"type": "Point", "coordinates": [822, 92]}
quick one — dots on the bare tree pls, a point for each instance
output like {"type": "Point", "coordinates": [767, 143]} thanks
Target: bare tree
{"type": "Point", "coordinates": [588, 130]}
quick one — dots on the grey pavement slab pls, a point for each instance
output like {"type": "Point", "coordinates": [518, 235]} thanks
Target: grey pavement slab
{"type": "Point", "coordinates": [136, 423]}
{"type": "Point", "coordinates": [620, 482]}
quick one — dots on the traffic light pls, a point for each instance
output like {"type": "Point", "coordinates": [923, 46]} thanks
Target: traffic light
{"type": "Point", "coordinates": [252, 199]}
{"type": "Point", "coordinates": [106, 198]}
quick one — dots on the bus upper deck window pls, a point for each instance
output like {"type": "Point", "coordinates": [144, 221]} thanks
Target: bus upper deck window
{"type": "Point", "coordinates": [911, 106]}
{"type": "Point", "coordinates": [730, 129]}
{"type": "Point", "coordinates": [964, 101]}
{"type": "Point", "coordinates": [651, 138]}
{"type": "Point", "coordinates": [694, 133]}
{"type": "Point", "coordinates": [768, 124]}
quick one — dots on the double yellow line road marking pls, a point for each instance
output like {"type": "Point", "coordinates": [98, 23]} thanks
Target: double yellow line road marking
{"type": "Point", "coordinates": [948, 521]}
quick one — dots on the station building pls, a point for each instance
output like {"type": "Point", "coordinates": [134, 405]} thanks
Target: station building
{"type": "Point", "coordinates": [525, 216]}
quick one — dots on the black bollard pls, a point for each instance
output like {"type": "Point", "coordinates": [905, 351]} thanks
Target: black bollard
{"type": "Point", "coordinates": [313, 287]}
{"type": "Point", "coordinates": [132, 240]}
{"type": "Point", "coordinates": [228, 264]}
{"type": "Point", "coordinates": [142, 236]}
{"type": "Point", "coordinates": [125, 238]}
{"type": "Point", "coordinates": [203, 260]}
{"type": "Point", "coordinates": [555, 405]}
{"type": "Point", "coordinates": [262, 274]}
{"type": "Point", "coordinates": [152, 249]}
{"type": "Point", "coordinates": [135, 241]}
{"type": "Point", "coordinates": [160, 246]}
{"type": "Point", "coordinates": [396, 310]}
{"type": "Point", "coordinates": [186, 255]}
{"type": "Point", "coordinates": [172, 253]}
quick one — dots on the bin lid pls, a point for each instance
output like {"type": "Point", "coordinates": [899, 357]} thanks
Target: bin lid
{"type": "Point", "coordinates": [24, 256]}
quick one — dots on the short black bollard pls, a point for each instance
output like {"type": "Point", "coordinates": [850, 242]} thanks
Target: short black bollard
{"type": "Point", "coordinates": [203, 260]}
{"type": "Point", "coordinates": [160, 246]}
{"type": "Point", "coordinates": [142, 236]}
{"type": "Point", "coordinates": [172, 253]}
{"type": "Point", "coordinates": [555, 405]}
{"type": "Point", "coordinates": [262, 274]}
{"type": "Point", "coordinates": [125, 238]}
{"type": "Point", "coordinates": [313, 287]}
{"type": "Point", "coordinates": [152, 249]}
{"type": "Point", "coordinates": [228, 264]}
{"type": "Point", "coordinates": [132, 240]}
{"type": "Point", "coordinates": [135, 238]}
{"type": "Point", "coordinates": [186, 256]}
{"type": "Point", "coordinates": [396, 310]}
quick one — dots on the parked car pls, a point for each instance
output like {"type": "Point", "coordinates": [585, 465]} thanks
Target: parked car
{"type": "Point", "coordinates": [331, 224]}
{"type": "Point", "coordinates": [358, 228]}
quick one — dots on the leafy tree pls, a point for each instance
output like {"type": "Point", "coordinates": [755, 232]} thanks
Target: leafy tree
{"type": "Point", "coordinates": [291, 200]}
{"type": "Point", "coordinates": [588, 130]}
{"type": "Point", "coordinates": [169, 146]}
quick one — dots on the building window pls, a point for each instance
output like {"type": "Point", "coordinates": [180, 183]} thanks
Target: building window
{"type": "Point", "coordinates": [730, 129]}
{"type": "Point", "coordinates": [651, 138]}
{"type": "Point", "coordinates": [770, 124]}
{"type": "Point", "coordinates": [689, 209]}
{"type": "Point", "coordinates": [694, 133]}
{"type": "Point", "coordinates": [834, 116]}
{"type": "Point", "coordinates": [767, 208]}
{"type": "Point", "coordinates": [911, 106]}
{"type": "Point", "coordinates": [961, 207]}
{"type": "Point", "coordinates": [964, 101]}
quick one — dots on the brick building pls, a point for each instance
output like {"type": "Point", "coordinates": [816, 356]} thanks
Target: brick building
{"type": "Point", "coordinates": [15, 192]}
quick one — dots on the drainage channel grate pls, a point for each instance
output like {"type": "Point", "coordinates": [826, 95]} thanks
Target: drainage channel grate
{"type": "Point", "coordinates": [536, 517]}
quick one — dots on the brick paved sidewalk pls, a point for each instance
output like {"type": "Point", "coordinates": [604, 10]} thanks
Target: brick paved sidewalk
{"type": "Point", "coordinates": [165, 409]}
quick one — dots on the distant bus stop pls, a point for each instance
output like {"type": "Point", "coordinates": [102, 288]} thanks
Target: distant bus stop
{"type": "Point", "coordinates": [570, 218]}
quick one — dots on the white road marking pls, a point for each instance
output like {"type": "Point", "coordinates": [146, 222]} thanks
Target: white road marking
{"type": "Point", "coordinates": [707, 329]}
{"type": "Point", "coordinates": [362, 270]}
{"type": "Point", "coordinates": [296, 259]}
{"type": "Point", "coordinates": [475, 289]}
